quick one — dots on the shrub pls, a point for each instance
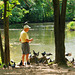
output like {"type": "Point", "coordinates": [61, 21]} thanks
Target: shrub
{"type": "Point", "coordinates": [17, 15]}
{"type": "Point", "coordinates": [71, 25]}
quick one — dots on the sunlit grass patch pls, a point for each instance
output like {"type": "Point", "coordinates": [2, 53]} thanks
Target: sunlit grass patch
{"type": "Point", "coordinates": [0, 60]}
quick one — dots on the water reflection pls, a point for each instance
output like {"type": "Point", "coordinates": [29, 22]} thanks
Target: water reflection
{"type": "Point", "coordinates": [70, 43]}
{"type": "Point", "coordinates": [43, 40]}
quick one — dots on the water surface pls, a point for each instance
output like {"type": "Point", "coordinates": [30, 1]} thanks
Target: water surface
{"type": "Point", "coordinates": [43, 40]}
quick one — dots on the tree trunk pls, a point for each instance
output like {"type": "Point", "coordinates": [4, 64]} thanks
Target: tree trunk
{"type": "Point", "coordinates": [62, 31]}
{"type": "Point", "coordinates": [59, 31]}
{"type": "Point", "coordinates": [56, 28]}
{"type": "Point", "coordinates": [1, 49]}
{"type": "Point", "coordinates": [6, 33]}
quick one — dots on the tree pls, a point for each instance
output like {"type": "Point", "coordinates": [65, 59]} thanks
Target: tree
{"type": "Point", "coordinates": [6, 32]}
{"type": "Point", "coordinates": [59, 31]}
{"type": "Point", "coordinates": [1, 49]}
{"type": "Point", "coordinates": [6, 13]}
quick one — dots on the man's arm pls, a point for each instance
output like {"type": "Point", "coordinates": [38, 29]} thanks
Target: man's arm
{"type": "Point", "coordinates": [28, 40]}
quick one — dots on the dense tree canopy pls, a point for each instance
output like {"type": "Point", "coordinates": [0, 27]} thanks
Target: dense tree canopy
{"type": "Point", "coordinates": [39, 10]}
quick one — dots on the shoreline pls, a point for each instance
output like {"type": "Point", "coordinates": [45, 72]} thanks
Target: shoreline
{"type": "Point", "coordinates": [38, 69]}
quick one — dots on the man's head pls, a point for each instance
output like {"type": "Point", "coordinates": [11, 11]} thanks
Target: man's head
{"type": "Point", "coordinates": [26, 28]}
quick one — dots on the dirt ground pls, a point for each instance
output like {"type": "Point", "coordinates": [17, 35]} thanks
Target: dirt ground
{"type": "Point", "coordinates": [38, 70]}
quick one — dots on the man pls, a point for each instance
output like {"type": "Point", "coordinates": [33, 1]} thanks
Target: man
{"type": "Point", "coordinates": [24, 38]}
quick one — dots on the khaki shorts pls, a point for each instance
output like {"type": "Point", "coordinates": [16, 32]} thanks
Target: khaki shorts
{"type": "Point", "coordinates": [25, 48]}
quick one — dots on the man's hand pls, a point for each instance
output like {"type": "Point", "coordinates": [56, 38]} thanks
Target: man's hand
{"type": "Point", "coordinates": [31, 39]}
{"type": "Point", "coordinates": [19, 39]}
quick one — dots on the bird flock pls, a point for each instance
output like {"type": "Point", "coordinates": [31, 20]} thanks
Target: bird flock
{"type": "Point", "coordinates": [43, 59]}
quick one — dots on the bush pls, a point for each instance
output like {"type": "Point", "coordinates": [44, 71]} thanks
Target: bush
{"type": "Point", "coordinates": [71, 25]}
{"type": "Point", "coordinates": [17, 15]}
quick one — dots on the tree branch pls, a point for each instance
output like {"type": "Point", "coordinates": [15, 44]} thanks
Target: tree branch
{"type": "Point", "coordinates": [14, 6]}
{"type": "Point", "coordinates": [26, 3]}
{"type": "Point", "coordinates": [49, 4]}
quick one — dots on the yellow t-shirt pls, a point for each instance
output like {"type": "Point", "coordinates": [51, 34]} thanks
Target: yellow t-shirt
{"type": "Point", "coordinates": [23, 36]}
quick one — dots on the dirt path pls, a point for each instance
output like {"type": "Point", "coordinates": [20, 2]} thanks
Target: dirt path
{"type": "Point", "coordinates": [38, 70]}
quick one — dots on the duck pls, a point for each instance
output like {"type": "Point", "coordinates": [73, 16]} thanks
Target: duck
{"type": "Point", "coordinates": [66, 59]}
{"type": "Point", "coordinates": [12, 61]}
{"type": "Point", "coordinates": [44, 53]}
{"type": "Point", "coordinates": [48, 54]}
{"type": "Point", "coordinates": [28, 63]}
{"type": "Point", "coordinates": [40, 61]}
{"type": "Point", "coordinates": [48, 58]}
{"type": "Point", "coordinates": [35, 54]}
{"type": "Point", "coordinates": [4, 66]}
{"type": "Point", "coordinates": [68, 54]}
{"type": "Point", "coordinates": [72, 61]}
{"type": "Point", "coordinates": [9, 64]}
{"type": "Point", "coordinates": [13, 66]}
{"type": "Point", "coordinates": [30, 55]}
{"type": "Point", "coordinates": [50, 61]}
{"type": "Point", "coordinates": [20, 64]}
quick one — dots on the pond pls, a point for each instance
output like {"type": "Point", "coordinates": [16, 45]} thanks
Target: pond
{"type": "Point", "coordinates": [43, 40]}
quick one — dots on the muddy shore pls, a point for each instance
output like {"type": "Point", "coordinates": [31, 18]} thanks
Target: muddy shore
{"type": "Point", "coordinates": [38, 70]}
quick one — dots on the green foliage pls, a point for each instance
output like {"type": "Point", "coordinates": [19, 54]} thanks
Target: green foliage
{"type": "Point", "coordinates": [10, 5]}
{"type": "Point", "coordinates": [17, 15]}
{"type": "Point", "coordinates": [42, 10]}
{"type": "Point", "coordinates": [0, 60]}
{"type": "Point", "coordinates": [38, 17]}
{"type": "Point", "coordinates": [70, 10]}
{"type": "Point", "coordinates": [1, 66]}
{"type": "Point", "coordinates": [39, 10]}
{"type": "Point", "coordinates": [71, 25]}
{"type": "Point", "coordinates": [15, 1]}
{"type": "Point", "coordinates": [50, 63]}
{"type": "Point", "coordinates": [1, 4]}
{"type": "Point", "coordinates": [74, 19]}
